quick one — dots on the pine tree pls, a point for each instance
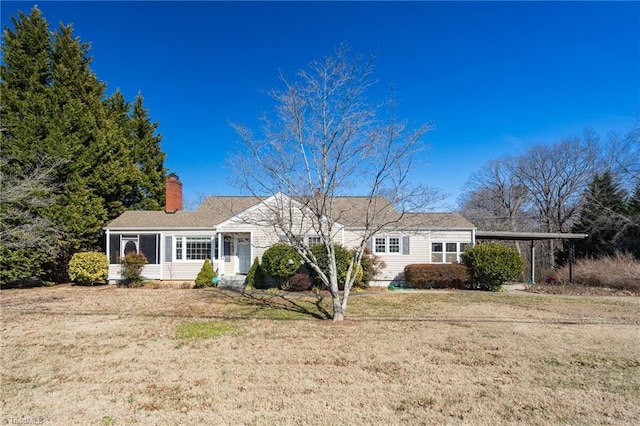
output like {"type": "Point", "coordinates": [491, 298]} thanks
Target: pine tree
{"type": "Point", "coordinates": [26, 91]}
{"type": "Point", "coordinates": [602, 217]}
{"type": "Point", "coordinates": [147, 155]}
{"type": "Point", "coordinates": [631, 237]}
{"type": "Point", "coordinates": [105, 151]}
{"type": "Point", "coordinates": [29, 237]}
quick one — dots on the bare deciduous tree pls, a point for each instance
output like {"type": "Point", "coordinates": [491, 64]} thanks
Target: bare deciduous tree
{"type": "Point", "coordinates": [495, 199]}
{"type": "Point", "coordinates": [23, 197]}
{"type": "Point", "coordinates": [556, 177]}
{"type": "Point", "coordinates": [328, 141]}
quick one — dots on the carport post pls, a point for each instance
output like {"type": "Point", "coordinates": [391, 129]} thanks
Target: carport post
{"type": "Point", "coordinates": [572, 258]}
{"type": "Point", "coordinates": [533, 263]}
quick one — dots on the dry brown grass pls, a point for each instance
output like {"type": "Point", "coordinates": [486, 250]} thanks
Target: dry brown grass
{"type": "Point", "coordinates": [105, 355]}
{"type": "Point", "coordinates": [621, 272]}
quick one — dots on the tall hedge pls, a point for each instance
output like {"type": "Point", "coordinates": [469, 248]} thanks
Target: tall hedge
{"type": "Point", "coordinates": [492, 265]}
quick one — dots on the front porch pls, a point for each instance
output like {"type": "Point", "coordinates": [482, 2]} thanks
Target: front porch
{"type": "Point", "coordinates": [234, 260]}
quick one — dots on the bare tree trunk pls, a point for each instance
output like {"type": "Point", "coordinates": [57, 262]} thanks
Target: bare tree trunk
{"type": "Point", "coordinates": [338, 311]}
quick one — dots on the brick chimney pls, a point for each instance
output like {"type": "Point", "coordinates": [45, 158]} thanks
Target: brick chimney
{"type": "Point", "coordinates": [173, 194]}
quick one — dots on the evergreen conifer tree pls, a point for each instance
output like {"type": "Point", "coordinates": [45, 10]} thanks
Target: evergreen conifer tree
{"type": "Point", "coordinates": [105, 151]}
{"type": "Point", "coordinates": [601, 217]}
{"type": "Point", "coordinates": [147, 155]}
{"type": "Point", "coordinates": [631, 237]}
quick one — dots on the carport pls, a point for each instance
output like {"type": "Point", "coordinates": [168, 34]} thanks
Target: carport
{"type": "Point", "coordinates": [531, 237]}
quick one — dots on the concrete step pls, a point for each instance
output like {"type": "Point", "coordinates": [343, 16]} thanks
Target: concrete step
{"type": "Point", "coordinates": [232, 281]}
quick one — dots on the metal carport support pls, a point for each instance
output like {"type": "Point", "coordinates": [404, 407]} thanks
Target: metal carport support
{"type": "Point", "coordinates": [531, 237]}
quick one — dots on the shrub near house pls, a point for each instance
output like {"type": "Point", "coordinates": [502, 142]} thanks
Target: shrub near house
{"type": "Point", "coordinates": [492, 265]}
{"type": "Point", "coordinates": [437, 275]}
{"type": "Point", "coordinates": [205, 276]}
{"type": "Point", "coordinates": [132, 264]}
{"type": "Point", "coordinates": [282, 262]}
{"type": "Point", "coordinates": [88, 267]}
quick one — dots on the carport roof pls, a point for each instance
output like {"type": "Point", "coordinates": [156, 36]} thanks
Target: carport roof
{"type": "Point", "coordinates": [527, 236]}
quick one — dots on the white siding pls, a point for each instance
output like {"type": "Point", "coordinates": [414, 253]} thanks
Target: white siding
{"type": "Point", "coordinates": [151, 272]}
{"type": "Point", "coordinates": [420, 250]}
{"type": "Point", "coordinates": [183, 270]}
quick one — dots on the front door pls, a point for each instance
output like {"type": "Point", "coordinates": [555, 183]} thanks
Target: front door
{"type": "Point", "coordinates": [243, 251]}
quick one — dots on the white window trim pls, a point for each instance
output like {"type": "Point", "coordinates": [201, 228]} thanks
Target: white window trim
{"type": "Point", "coordinates": [315, 236]}
{"type": "Point", "coordinates": [386, 245]}
{"type": "Point", "coordinates": [183, 238]}
{"type": "Point", "coordinates": [444, 251]}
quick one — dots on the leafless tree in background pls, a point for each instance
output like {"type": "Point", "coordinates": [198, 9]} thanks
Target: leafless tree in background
{"type": "Point", "coordinates": [22, 199]}
{"type": "Point", "coordinates": [495, 200]}
{"type": "Point", "coordinates": [540, 190]}
{"type": "Point", "coordinates": [556, 177]}
{"type": "Point", "coordinates": [328, 141]}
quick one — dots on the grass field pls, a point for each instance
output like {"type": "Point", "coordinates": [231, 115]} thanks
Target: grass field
{"type": "Point", "coordinates": [114, 356]}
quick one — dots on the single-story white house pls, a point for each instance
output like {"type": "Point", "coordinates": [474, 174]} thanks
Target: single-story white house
{"type": "Point", "coordinates": [227, 230]}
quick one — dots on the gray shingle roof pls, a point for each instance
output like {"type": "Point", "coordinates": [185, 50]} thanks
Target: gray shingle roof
{"type": "Point", "coordinates": [349, 211]}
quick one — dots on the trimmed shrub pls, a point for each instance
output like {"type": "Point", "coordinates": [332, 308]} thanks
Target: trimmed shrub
{"type": "Point", "coordinates": [132, 264]}
{"type": "Point", "coordinates": [343, 258]}
{"type": "Point", "coordinates": [255, 275]}
{"type": "Point", "coordinates": [206, 275]}
{"type": "Point", "coordinates": [437, 275]}
{"type": "Point", "coordinates": [88, 267]}
{"type": "Point", "coordinates": [301, 281]}
{"type": "Point", "coordinates": [492, 265]}
{"type": "Point", "coordinates": [281, 261]}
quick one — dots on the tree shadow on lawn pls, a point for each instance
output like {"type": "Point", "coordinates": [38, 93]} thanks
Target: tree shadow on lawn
{"type": "Point", "coordinates": [267, 305]}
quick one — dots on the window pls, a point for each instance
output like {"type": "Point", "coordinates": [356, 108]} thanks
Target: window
{"type": "Point", "coordinates": [313, 239]}
{"type": "Point", "coordinates": [391, 245]}
{"type": "Point", "coordinates": [147, 244]}
{"type": "Point", "coordinates": [447, 252]}
{"type": "Point", "coordinates": [436, 252]}
{"type": "Point", "coordinates": [193, 248]}
{"type": "Point", "coordinates": [394, 245]}
{"type": "Point", "coordinates": [451, 253]}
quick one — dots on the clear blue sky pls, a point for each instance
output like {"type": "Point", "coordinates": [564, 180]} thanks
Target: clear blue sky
{"type": "Point", "coordinates": [494, 77]}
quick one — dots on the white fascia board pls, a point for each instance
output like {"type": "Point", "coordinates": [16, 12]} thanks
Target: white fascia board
{"type": "Point", "coordinates": [156, 229]}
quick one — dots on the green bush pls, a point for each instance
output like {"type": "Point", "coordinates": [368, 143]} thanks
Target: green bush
{"type": "Point", "coordinates": [206, 275]}
{"type": "Point", "coordinates": [343, 259]}
{"type": "Point", "coordinates": [437, 275]}
{"type": "Point", "coordinates": [255, 276]}
{"type": "Point", "coordinates": [132, 264]}
{"type": "Point", "coordinates": [88, 267]}
{"type": "Point", "coordinates": [492, 265]}
{"type": "Point", "coordinates": [281, 261]}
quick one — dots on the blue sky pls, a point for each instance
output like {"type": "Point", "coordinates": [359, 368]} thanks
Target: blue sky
{"type": "Point", "coordinates": [494, 77]}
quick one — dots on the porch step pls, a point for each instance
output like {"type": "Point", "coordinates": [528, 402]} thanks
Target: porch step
{"type": "Point", "coordinates": [232, 281]}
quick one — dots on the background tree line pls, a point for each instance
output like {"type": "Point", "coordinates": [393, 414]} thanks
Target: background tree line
{"type": "Point", "coordinates": [72, 157]}
{"type": "Point", "coordinates": [577, 185]}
